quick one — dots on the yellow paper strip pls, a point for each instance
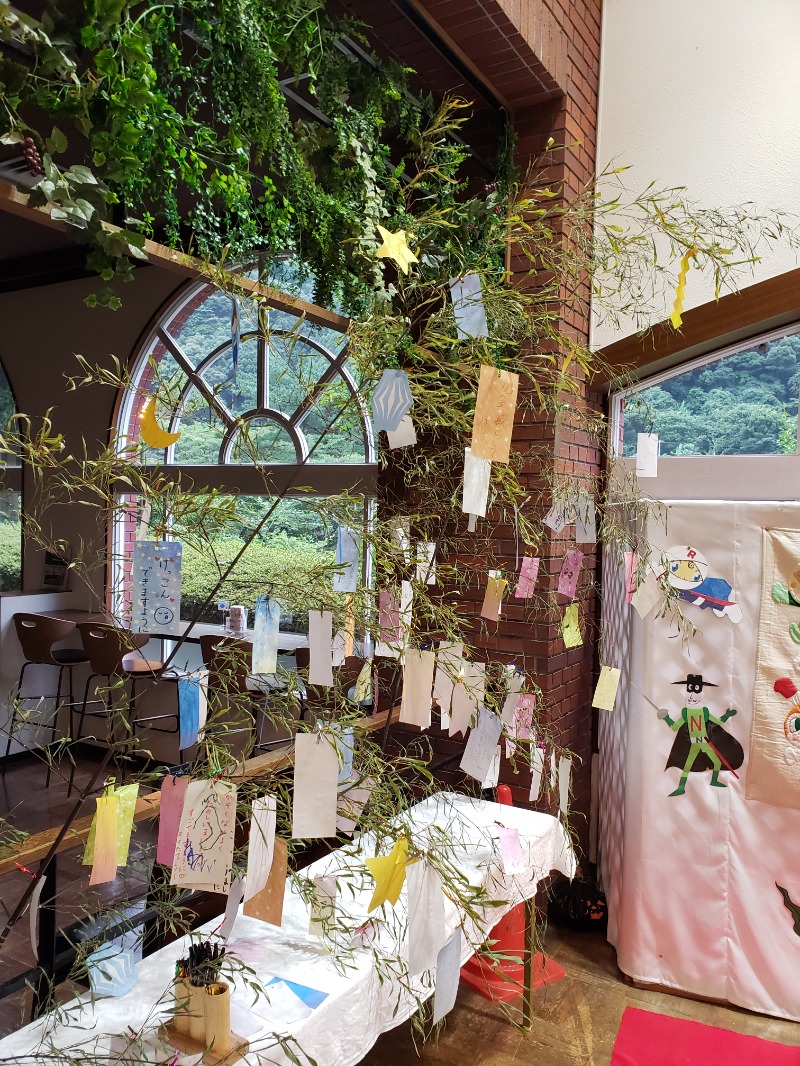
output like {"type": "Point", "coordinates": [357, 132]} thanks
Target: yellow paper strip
{"type": "Point", "coordinates": [570, 627]}
{"type": "Point", "coordinates": [494, 414]}
{"type": "Point", "coordinates": [106, 847]}
{"type": "Point", "coordinates": [606, 691]}
{"type": "Point", "coordinates": [493, 599]}
{"type": "Point", "coordinates": [680, 288]}
{"type": "Point", "coordinates": [126, 806]}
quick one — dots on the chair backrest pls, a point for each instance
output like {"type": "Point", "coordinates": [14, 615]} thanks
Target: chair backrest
{"type": "Point", "coordinates": [302, 656]}
{"type": "Point", "coordinates": [37, 634]}
{"type": "Point", "coordinates": [108, 645]}
{"type": "Point", "coordinates": [229, 661]}
{"type": "Point", "coordinates": [348, 673]}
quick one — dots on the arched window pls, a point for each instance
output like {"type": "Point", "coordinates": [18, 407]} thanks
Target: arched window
{"type": "Point", "coordinates": [266, 406]}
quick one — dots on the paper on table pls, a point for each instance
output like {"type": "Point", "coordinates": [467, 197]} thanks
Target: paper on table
{"type": "Point", "coordinates": [570, 627]}
{"type": "Point", "coordinates": [266, 629]}
{"type": "Point", "coordinates": [448, 975]}
{"type": "Point", "coordinates": [267, 905]}
{"type": "Point", "coordinates": [631, 563]}
{"type": "Point", "coordinates": [477, 475]}
{"type": "Point", "coordinates": [316, 775]}
{"type": "Point", "coordinates": [404, 436]}
{"type": "Point", "coordinates": [351, 801]}
{"type": "Point", "coordinates": [511, 850]}
{"type": "Point", "coordinates": [495, 407]}
{"type": "Point", "coordinates": [481, 745]}
{"type": "Point", "coordinates": [467, 296]}
{"type": "Point", "coordinates": [173, 795]}
{"type": "Point", "coordinates": [522, 721]}
{"type": "Point", "coordinates": [493, 774]}
{"type": "Point", "coordinates": [448, 664]}
{"type": "Point", "coordinates": [106, 845]}
{"type": "Point", "coordinates": [426, 561]}
{"type": "Point", "coordinates": [647, 455]}
{"type": "Point", "coordinates": [204, 848]}
{"type": "Point", "coordinates": [427, 932]}
{"type": "Point", "coordinates": [537, 769]}
{"type": "Point", "coordinates": [528, 572]}
{"type": "Point", "coordinates": [235, 896]}
{"type": "Point", "coordinates": [647, 595]}
{"type": "Point", "coordinates": [493, 597]}
{"type": "Point", "coordinates": [348, 550]}
{"type": "Point", "coordinates": [564, 774]}
{"type": "Point", "coordinates": [261, 845]}
{"type": "Point", "coordinates": [467, 694]}
{"type": "Point", "coordinates": [606, 692]}
{"type": "Point", "coordinates": [323, 903]}
{"type": "Point", "coordinates": [585, 520]}
{"type": "Point", "coordinates": [415, 704]}
{"type": "Point", "coordinates": [320, 638]}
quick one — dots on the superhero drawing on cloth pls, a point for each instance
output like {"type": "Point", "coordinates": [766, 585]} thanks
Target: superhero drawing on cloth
{"type": "Point", "coordinates": [701, 742]}
{"type": "Point", "coordinates": [687, 572]}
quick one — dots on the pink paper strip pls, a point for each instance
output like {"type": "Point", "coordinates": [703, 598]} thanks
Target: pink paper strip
{"type": "Point", "coordinates": [511, 850]}
{"type": "Point", "coordinates": [630, 568]}
{"type": "Point", "coordinates": [389, 631]}
{"type": "Point", "coordinates": [570, 572]}
{"type": "Point", "coordinates": [522, 723]}
{"type": "Point", "coordinates": [173, 794]}
{"type": "Point", "coordinates": [528, 573]}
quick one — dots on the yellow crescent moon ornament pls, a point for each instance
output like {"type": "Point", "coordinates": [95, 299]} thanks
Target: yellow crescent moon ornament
{"type": "Point", "coordinates": [150, 431]}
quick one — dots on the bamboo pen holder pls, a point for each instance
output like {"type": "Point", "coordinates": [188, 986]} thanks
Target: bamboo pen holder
{"type": "Point", "coordinates": [183, 1005]}
{"type": "Point", "coordinates": [218, 1018]}
{"type": "Point", "coordinates": [197, 1013]}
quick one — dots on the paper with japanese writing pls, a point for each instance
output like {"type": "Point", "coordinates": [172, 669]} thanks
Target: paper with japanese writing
{"type": "Point", "coordinates": [427, 932]}
{"type": "Point", "coordinates": [448, 665]}
{"type": "Point", "coordinates": [415, 704]}
{"type": "Point", "coordinates": [468, 692]}
{"type": "Point", "coordinates": [585, 520]}
{"type": "Point", "coordinates": [526, 582]}
{"type": "Point", "coordinates": [173, 797]}
{"type": "Point", "coordinates": [156, 587]}
{"type": "Point", "coordinates": [448, 975]}
{"type": "Point", "coordinates": [570, 627]}
{"type": "Point", "coordinates": [557, 517]}
{"type": "Point", "coordinates": [495, 407]}
{"type": "Point", "coordinates": [468, 307]}
{"type": "Point", "coordinates": [477, 475]}
{"type": "Point", "coordinates": [426, 562]}
{"type": "Point", "coordinates": [261, 844]}
{"type": "Point", "coordinates": [647, 595]}
{"type": "Point", "coordinates": [521, 725]}
{"type": "Point", "coordinates": [606, 691]}
{"type": "Point", "coordinates": [106, 847]}
{"type": "Point", "coordinates": [316, 777]}
{"type": "Point", "coordinates": [493, 597]}
{"type": "Point", "coordinates": [570, 572]}
{"type": "Point", "coordinates": [647, 455]}
{"type": "Point", "coordinates": [320, 648]}
{"type": "Point", "coordinates": [537, 769]}
{"type": "Point", "coordinates": [204, 848]}
{"type": "Point", "coordinates": [481, 745]}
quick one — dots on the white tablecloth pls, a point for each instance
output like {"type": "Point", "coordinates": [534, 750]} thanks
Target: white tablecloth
{"type": "Point", "coordinates": [359, 1005]}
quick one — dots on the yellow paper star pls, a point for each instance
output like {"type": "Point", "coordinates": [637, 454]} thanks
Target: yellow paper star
{"type": "Point", "coordinates": [389, 872]}
{"type": "Point", "coordinates": [395, 247]}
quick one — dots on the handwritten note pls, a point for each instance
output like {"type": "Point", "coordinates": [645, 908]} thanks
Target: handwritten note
{"type": "Point", "coordinates": [173, 796]}
{"type": "Point", "coordinates": [570, 572]}
{"type": "Point", "coordinates": [320, 647]}
{"type": "Point", "coordinates": [204, 848]}
{"type": "Point", "coordinates": [477, 476]}
{"type": "Point", "coordinates": [261, 845]}
{"type": "Point", "coordinates": [606, 692]}
{"type": "Point", "coordinates": [316, 776]}
{"type": "Point", "coordinates": [528, 572]}
{"type": "Point", "coordinates": [427, 932]}
{"type": "Point", "coordinates": [557, 517]}
{"type": "Point", "coordinates": [495, 407]}
{"type": "Point", "coordinates": [570, 627]}
{"type": "Point", "coordinates": [156, 586]}
{"type": "Point", "coordinates": [481, 745]}
{"type": "Point", "coordinates": [493, 597]}
{"type": "Point", "coordinates": [415, 704]}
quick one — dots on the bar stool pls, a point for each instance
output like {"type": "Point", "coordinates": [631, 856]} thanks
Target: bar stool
{"type": "Point", "coordinates": [115, 653]}
{"type": "Point", "coordinates": [37, 633]}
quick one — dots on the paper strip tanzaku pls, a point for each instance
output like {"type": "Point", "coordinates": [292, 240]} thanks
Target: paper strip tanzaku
{"type": "Point", "coordinates": [680, 288]}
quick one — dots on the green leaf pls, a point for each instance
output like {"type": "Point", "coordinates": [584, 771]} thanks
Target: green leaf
{"type": "Point", "coordinates": [12, 137]}
{"type": "Point", "coordinates": [56, 143]}
{"type": "Point", "coordinates": [82, 175]}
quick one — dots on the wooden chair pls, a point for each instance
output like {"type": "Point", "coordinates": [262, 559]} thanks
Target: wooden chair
{"type": "Point", "coordinates": [115, 654]}
{"type": "Point", "coordinates": [37, 633]}
{"type": "Point", "coordinates": [232, 684]}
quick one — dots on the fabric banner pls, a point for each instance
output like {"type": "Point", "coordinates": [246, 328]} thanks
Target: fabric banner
{"type": "Point", "coordinates": [774, 774]}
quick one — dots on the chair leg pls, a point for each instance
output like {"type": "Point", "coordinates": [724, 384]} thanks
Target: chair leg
{"type": "Point", "coordinates": [13, 719]}
{"type": "Point", "coordinates": [79, 734]}
{"type": "Point", "coordinates": [54, 720]}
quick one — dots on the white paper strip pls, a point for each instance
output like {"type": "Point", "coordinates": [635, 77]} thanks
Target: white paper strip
{"type": "Point", "coordinates": [468, 306]}
{"type": "Point", "coordinates": [426, 561]}
{"type": "Point", "coordinates": [320, 646]}
{"type": "Point", "coordinates": [415, 705]}
{"type": "Point", "coordinates": [537, 768]}
{"type": "Point", "coordinates": [467, 694]}
{"type": "Point", "coordinates": [339, 648]}
{"type": "Point", "coordinates": [448, 664]}
{"type": "Point", "coordinates": [401, 536]}
{"type": "Point", "coordinates": [493, 774]}
{"type": "Point", "coordinates": [515, 683]}
{"type": "Point", "coordinates": [481, 745]}
{"type": "Point", "coordinates": [472, 523]}
{"type": "Point", "coordinates": [564, 774]}
{"type": "Point", "coordinates": [323, 904]}
{"type": "Point", "coordinates": [348, 550]}
{"type": "Point", "coordinates": [477, 475]}
{"type": "Point", "coordinates": [647, 595]}
{"type": "Point", "coordinates": [238, 886]}
{"type": "Point", "coordinates": [585, 520]}
{"type": "Point", "coordinates": [316, 773]}
{"type": "Point", "coordinates": [261, 844]}
{"type": "Point", "coordinates": [647, 455]}
{"type": "Point", "coordinates": [266, 628]}
{"type": "Point", "coordinates": [404, 436]}
{"type": "Point", "coordinates": [553, 768]}
{"type": "Point", "coordinates": [406, 604]}
{"type": "Point", "coordinates": [448, 974]}
{"type": "Point", "coordinates": [427, 932]}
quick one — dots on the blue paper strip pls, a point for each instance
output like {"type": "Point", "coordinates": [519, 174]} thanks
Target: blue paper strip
{"type": "Point", "coordinates": [189, 710]}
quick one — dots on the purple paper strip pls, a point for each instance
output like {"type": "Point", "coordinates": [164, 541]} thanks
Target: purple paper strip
{"type": "Point", "coordinates": [528, 573]}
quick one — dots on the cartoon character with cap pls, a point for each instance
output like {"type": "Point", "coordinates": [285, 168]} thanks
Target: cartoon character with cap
{"type": "Point", "coordinates": [785, 687]}
{"type": "Point", "coordinates": [687, 572]}
{"type": "Point", "coordinates": [701, 742]}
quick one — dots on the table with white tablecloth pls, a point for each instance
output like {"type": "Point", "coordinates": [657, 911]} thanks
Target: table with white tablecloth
{"type": "Point", "coordinates": [354, 971]}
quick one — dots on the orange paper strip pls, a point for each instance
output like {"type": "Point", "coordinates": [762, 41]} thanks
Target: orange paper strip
{"type": "Point", "coordinates": [267, 905]}
{"type": "Point", "coordinates": [494, 414]}
{"type": "Point", "coordinates": [493, 599]}
{"type": "Point", "coordinates": [106, 846]}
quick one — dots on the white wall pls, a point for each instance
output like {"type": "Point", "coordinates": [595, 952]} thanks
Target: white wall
{"type": "Point", "coordinates": [704, 94]}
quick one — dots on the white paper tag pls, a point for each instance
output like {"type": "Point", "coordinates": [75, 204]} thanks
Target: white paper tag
{"type": "Point", "coordinates": [647, 455]}
{"type": "Point", "coordinates": [404, 436]}
{"type": "Point", "coordinates": [477, 475]}
{"type": "Point", "coordinates": [320, 646]}
{"type": "Point", "coordinates": [647, 595]}
{"type": "Point", "coordinates": [481, 746]}
{"type": "Point", "coordinates": [316, 776]}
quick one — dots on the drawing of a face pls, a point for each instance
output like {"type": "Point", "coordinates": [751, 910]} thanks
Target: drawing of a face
{"type": "Point", "coordinates": [686, 567]}
{"type": "Point", "coordinates": [163, 615]}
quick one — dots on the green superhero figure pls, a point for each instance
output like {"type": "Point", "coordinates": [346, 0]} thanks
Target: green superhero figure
{"type": "Point", "coordinates": [701, 742]}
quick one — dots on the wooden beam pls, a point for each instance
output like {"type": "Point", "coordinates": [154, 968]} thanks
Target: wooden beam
{"type": "Point", "coordinates": [755, 309]}
{"type": "Point", "coordinates": [14, 202]}
{"type": "Point", "coordinates": [34, 848]}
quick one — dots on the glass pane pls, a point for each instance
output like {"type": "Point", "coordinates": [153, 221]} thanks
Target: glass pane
{"type": "Point", "coordinates": [294, 369]}
{"type": "Point", "coordinates": [239, 393]}
{"type": "Point", "coordinates": [743, 404]}
{"type": "Point", "coordinates": [263, 441]}
{"type": "Point", "coordinates": [202, 324]}
{"type": "Point", "coordinates": [10, 542]}
{"type": "Point", "coordinates": [334, 436]}
{"type": "Point", "coordinates": [201, 433]}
